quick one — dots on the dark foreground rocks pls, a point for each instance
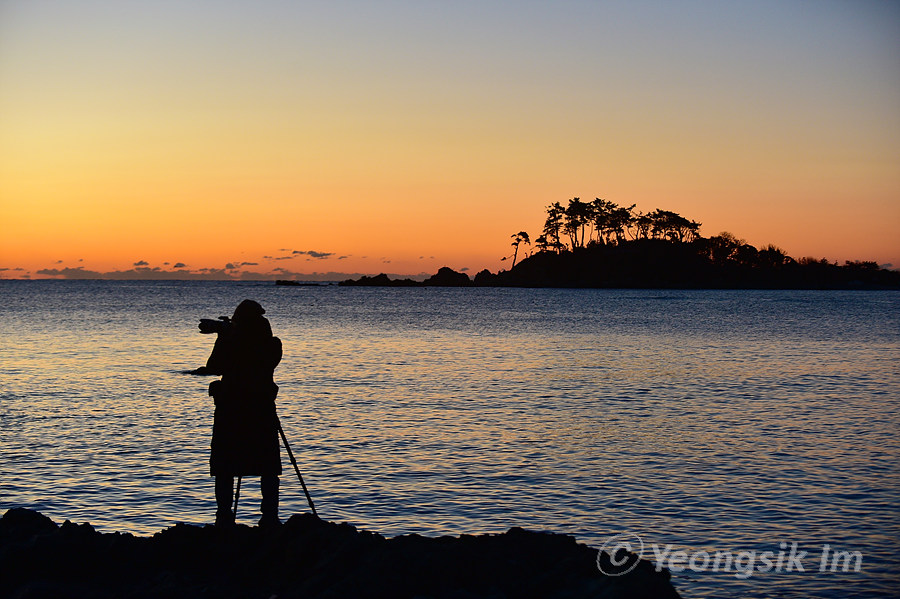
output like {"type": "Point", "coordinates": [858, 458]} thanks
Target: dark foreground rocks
{"type": "Point", "coordinates": [304, 558]}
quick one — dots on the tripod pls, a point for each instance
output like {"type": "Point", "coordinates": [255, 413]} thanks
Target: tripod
{"type": "Point", "coordinates": [237, 493]}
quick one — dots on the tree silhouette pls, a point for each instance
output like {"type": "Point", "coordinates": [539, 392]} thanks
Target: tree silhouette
{"type": "Point", "coordinates": [773, 257]}
{"type": "Point", "coordinates": [577, 216]}
{"type": "Point", "coordinates": [665, 224]}
{"type": "Point", "coordinates": [518, 238]}
{"type": "Point", "coordinates": [722, 248]}
{"type": "Point", "coordinates": [611, 245]}
{"type": "Point", "coordinates": [553, 226]}
{"type": "Point", "coordinates": [642, 224]}
{"type": "Point", "coordinates": [600, 212]}
{"type": "Point", "coordinates": [619, 220]}
{"type": "Point", "coordinates": [606, 223]}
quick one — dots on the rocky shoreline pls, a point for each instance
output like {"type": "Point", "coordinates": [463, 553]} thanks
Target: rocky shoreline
{"type": "Point", "coordinates": [304, 558]}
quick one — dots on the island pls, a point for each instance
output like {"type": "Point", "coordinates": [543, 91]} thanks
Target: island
{"type": "Point", "coordinates": [600, 244]}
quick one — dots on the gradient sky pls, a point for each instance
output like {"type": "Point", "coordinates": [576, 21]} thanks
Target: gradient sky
{"type": "Point", "coordinates": [400, 136]}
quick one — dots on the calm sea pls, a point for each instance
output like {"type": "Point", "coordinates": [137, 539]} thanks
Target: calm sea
{"type": "Point", "coordinates": [730, 421]}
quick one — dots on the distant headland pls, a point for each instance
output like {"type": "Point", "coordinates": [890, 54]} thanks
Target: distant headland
{"type": "Point", "coordinates": [600, 244]}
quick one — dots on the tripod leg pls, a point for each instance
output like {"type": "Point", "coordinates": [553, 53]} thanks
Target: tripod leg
{"type": "Point", "coordinates": [296, 468]}
{"type": "Point", "coordinates": [237, 495]}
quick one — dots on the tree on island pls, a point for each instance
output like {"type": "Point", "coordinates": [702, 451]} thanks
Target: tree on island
{"type": "Point", "coordinates": [606, 223]}
{"type": "Point", "coordinates": [599, 244]}
{"type": "Point", "coordinates": [519, 238]}
{"type": "Point", "coordinates": [576, 218]}
{"type": "Point", "coordinates": [550, 239]}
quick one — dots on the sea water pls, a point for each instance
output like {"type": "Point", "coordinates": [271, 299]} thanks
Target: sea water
{"type": "Point", "coordinates": [689, 422]}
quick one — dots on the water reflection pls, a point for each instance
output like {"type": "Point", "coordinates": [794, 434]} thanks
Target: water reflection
{"type": "Point", "coordinates": [697, 418]}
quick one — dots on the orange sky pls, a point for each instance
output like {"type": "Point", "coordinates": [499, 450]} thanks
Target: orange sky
{"type": "Point", "coordinates": [402, 136]}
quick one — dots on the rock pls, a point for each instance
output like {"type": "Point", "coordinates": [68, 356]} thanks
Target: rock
{"type": "Point", "coordinates": [381, 280]}
{"type": "Point", "coordinates": [447, 277]}
{"type": "Point", "coordinates": [19, 523]}
{"type": "Point", "coordinates": [485, 278]}
{"type": "Point", "coordinates": [304, 558]}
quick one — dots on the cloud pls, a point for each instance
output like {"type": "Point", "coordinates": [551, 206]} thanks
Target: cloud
{"type": "Point", "coordinates": [139, 272]}
{"type": "Point", "coordinates": [70, 273]}
{"type": "Point", "coordinates": [141, 263]}
{"type": "Point", "coordinates": [464, 269]}
{"type": "Point", "coordinates": [295, 253]}
{"type": "Point", "coordinates": [212, 274]}
{"type": "Point", "coordinates": [179, 265]}
{"type": "Point", "coordinates": [313, 253]}
{"type": "Point", "coordinates": [249, 264]}
{"type": "Point", "coordinates": [230, 266]}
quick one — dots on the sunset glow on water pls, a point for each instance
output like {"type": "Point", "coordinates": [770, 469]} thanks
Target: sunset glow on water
{"type": "Point", "coordinates": [703, 419]}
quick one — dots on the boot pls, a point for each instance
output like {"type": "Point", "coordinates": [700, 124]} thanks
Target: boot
{"type": "Point", "coordinates": [269, 506]}
{"type": "Point", "coordinates": [224, 497]}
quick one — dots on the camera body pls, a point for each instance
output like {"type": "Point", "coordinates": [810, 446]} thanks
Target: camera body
{"type": "Point", "coordinates": [209, 325]}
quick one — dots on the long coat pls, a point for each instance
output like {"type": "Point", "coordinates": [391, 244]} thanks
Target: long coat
{"type": "Point", "coordinates": [245, 428]}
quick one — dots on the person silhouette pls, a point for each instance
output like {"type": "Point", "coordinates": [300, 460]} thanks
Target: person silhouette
{"type": "Point", "coordinates": [245, 424]}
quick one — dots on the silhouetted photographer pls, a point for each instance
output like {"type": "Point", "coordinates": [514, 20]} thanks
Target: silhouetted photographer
{"type": "Point", "coordinates": [245, 427]}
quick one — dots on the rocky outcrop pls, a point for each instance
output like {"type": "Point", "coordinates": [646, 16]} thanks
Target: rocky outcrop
{"type": "Point", "coordinates": [304, 558]}
{"type": "Point", "coordinates": [447, 277]}
{"type": "Point", "coordinates": [381, 280]}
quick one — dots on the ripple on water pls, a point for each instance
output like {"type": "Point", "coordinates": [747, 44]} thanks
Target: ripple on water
{"type": "Point", "coordinates": [708, 420]}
